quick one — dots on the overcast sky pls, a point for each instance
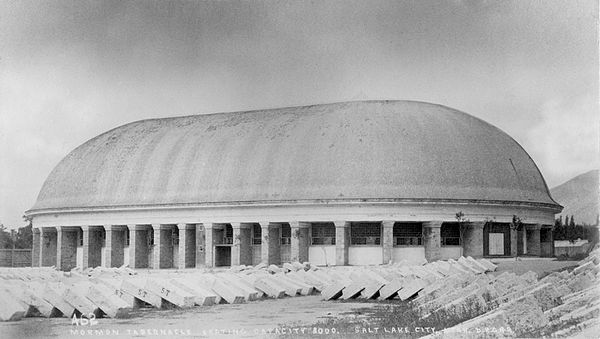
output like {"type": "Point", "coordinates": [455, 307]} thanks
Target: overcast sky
{"type": "Point", "coordinates": [70, 70]}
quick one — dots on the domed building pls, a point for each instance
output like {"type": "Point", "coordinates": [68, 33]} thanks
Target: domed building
{"type": "Point", "coordinates": [349, 183]}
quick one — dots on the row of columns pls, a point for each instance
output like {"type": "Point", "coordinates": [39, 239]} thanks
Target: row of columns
{"type": "Point", "coordinates": [58, 245]}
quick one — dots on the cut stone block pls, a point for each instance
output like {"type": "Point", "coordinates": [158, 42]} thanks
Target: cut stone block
{"type": "Point", "coordinates": [305, 289]}
{"type": "Point", "coordinates": [474, 267]}
{"type": "Point", "coordinates": [137, 288]}
{"type": "Point", "coordinates": [115, 287]}
{"type": "Point", "coordinates": [290, 289]}
{"type": "Point", "coordinates": [490, 265]}
{"type": "Point", "coordinates": [249, 293]}
{"type": "Point", "coordinates": [228, 294]}
{"type": "Point", "coordinates": [274, 269]}
{"type": "Point", "coordinates": [476, 263]}
{"type": "Point", "coordinates": [52, 297]}
{"type": "Point", "coordinates": [353, 290]}
{"type": "Point", "coordinates": [11, 309]}
{"type": "Point", "coordinates": [410, 288]}
{"type": "Point", "coordinates": [391, 289]}
{"type": "Point", "coordinates": [170, 292]}
{"type": "Point", "coordinates": [289, 267]}
{"type": "Point", "coordinates": [203, 297]}
{"type": "Point", "coordinates": [37, 305]}
{"type": "Point", "coordinates": [82, 304]}
{"type": "Point", "coordinates": [524, 315]}
{"type": "Point", "coordinates": [333, 291]}
{"type": "Point", "coordinates": [103, 298]}
{"type": "Point", "coordinates": [269, 288]}
{"type": "Point", "coordinates": [298, 266]}
{"type": "Point", "coordinates": [371, 289]}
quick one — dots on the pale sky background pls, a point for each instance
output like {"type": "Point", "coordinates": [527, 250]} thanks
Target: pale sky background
{"type": "Point", "coordinates": [70, 70]}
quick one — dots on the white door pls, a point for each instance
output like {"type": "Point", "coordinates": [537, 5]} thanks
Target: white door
{"type": "Point", "coordinates": [496, 244]}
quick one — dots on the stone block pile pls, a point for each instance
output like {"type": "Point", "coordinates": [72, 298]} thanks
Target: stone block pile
{"type": "Point", "coordinates": [560, 304]}
{"type": "Point", "coordinates": [116, 292]}
{"type": "Point", "coordinates": [426, 283]}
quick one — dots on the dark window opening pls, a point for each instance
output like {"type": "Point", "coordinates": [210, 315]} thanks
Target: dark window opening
{"type": "Point", "coordinates": [450, 234]}
{"type": "Point", "coordinates": [408, 234]}
{"type": "Point", "coordinates": [286, 234]}
{"type": "Point", "coordinates": [323, 234]}
{"type": "Point", "coordinates": [365, 233]}
{"type": "Point", "coordinates": [256, 234]}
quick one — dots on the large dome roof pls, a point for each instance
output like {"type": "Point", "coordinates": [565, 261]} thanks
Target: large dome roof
{"type": "Point", "coordinates": [352, 150]}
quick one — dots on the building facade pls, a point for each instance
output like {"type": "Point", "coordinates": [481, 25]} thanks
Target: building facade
{"type": "Point", "coordinates": [353, 183]}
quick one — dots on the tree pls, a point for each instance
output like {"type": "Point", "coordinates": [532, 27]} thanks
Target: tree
{"type": "Point", "coordinates": [572, 222]}
{"type": "Point", "coordinates": [6, 241]}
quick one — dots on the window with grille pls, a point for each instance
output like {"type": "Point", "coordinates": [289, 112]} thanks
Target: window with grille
{"type": "Point", "coordinates": [408, 234]}
{"type": "Point", "coordinates": [80, 237]}
{"type": "Point", "coordinates": [450, 234]}
{"type": "Point", "coordinates": [150, 237]}
{"type": "Point", "coordinates": [365, 233]}
{"type": "Point", "coordinates": [175, 236]}
{"type": "Point", "coordinates": [228, 235]}
{"type": "Point", "coordinates": [286, 234]}
{"type": "Point", "coordinates": [256, 235]}
{"type": "Point", "coordinates": [323, 234]}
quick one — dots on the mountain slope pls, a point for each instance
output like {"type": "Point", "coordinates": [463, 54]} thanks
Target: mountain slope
{"type": "Point", "coordinates": [579, 196]}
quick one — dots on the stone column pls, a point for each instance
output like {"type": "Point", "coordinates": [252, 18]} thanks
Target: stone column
{"type": "Point", "coordinates": [533, 240]}
{"type": "Point", "coordinates": [209, 245]}
{"type": "Point", "coordinates": [473, 239]}
{"type": "Point", "coordinates": [342, 239]}
{"type": "Point", "coordinates": [138, 246]}
{"type": "Point", "coordinates": [514, 241]}
{"type": "Point", "coordinates": [270, 243]}
{"type": "Point", "coordinates": [163, 247]}
{"type": "Point", "coordinates": [387, 240]}
{"type": "Point", "coordinates": [35, 249]}
{"type": "Point", "coordinates": [187, 246]}
{"type": "Point", "coordinates": [92, 246]}
{"type": "Point", "coordinates": [48, 242]}
{"type": "Point", "coordinates": [432, 240]}
{"type": "Point", "coordinates": [66, 248]}
{"type": "Point", "coordinates": [552, 242]}
{"type": "Point", "coordinates": [200, 246]}
{"type": "Point", "coordinates": [299, 241]}
{"type": "Point", "coordinates": [241, 251]}
{"type": "Point", "coordinates": [114, 246]}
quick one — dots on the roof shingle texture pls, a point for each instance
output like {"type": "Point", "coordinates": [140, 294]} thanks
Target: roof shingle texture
{"type": "Point", "coordinates": [351, 150]}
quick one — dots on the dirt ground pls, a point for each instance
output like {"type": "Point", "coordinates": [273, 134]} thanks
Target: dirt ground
{"type": "Point", "coordinates": [288, 317]}
{"type": "Point", "coordinates": [250, 320]}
